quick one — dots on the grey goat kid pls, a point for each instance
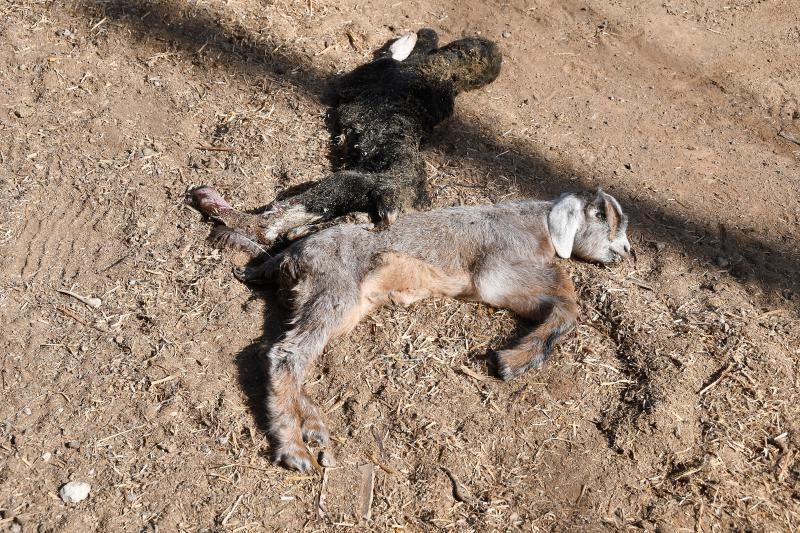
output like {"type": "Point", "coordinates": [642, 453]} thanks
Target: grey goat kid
{"type": "Point", "coordinates": [502, 255]}
{"type": "Point", "coordinates": [382, 111]}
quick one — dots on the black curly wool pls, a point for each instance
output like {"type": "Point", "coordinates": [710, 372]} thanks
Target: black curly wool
{"type": "Point", "coordinates": [382, 112]}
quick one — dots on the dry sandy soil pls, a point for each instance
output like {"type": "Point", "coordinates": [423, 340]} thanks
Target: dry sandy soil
{"type": "Point", "coordinates": [674, 406]}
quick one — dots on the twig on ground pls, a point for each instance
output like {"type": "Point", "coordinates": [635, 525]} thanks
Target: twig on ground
{"type": "Point", "coordinates": [722, 374]}
{"type": "Point", "coordinates": [94, 303]}
{"type": "Point", "coordinates": [789, 137]}
{"type": "Point", "coordinates": [367, 490]}
{"type": "Point", "coordinates": [214, 148]}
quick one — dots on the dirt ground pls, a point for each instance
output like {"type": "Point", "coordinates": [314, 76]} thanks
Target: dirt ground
{"type": "Point", "coordinates": [674, 406]}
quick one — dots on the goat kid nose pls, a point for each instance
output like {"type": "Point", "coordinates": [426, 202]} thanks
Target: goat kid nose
{"type": "Point", "coordinates": [622, 249]}
{"type": "Point", "coordinates": [631, 253]}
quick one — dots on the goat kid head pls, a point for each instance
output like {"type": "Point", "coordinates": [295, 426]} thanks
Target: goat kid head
{"type": "Point", "coordinates": [590, 226]}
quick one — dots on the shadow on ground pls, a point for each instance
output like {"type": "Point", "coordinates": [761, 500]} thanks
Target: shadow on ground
{"type": "Point", "coordinates": [771, 265]}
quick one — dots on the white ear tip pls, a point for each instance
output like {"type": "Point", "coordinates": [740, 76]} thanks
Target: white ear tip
{"type": "Point", "coordinates": [402, 47]}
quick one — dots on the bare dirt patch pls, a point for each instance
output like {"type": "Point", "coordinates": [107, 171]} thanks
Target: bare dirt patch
{"type": "Point", "coordinates": [673, 406]}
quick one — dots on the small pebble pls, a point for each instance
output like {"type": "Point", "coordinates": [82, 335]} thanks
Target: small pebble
{"type": "Point", "coordinates": [147, 151]}
{"type": "Point", "coordinates": [660, 246]}
{"type": "Point", "coordinates": [506, 34]}
{"type": "Point", "coordinates": [27, 410]}
{"type": "Point", "coordinates": [74, 491]}
{"type": "Point", "coordinates": [46, 456]}
{"type": "Point", "coordinates": [326, 459]}
{"type": "Point", "coordinates": [73, 444]}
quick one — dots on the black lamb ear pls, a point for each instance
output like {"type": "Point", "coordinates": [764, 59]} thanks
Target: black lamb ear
{"type": "Point", "coordinates": [427, 40]}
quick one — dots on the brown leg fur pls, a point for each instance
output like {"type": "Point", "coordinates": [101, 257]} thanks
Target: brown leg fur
{"type": "Point", "coordinates": [403, 280]}
{"type": "Point", "coordinates": [313, 426]}
{"type": "Point", "coordinates": [326, 305]}
{"type": "Point", "coordinates": [284, 418]}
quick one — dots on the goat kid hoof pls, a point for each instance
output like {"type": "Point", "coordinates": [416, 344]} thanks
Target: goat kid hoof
{"type": "Point", "coordinates": [298, 233]}
{"type": "Point", "coordinates": [389, 216]}
{"type": "Point", "coordinates": [295, 457]}
{"type": "Point", "coordinates": [507, 371]}
{"type": "Point", "coordinates": [504, 372]}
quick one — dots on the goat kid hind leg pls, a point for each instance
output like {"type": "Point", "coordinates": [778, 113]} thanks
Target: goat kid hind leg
{"type": "Point", "coordinates": [250, 232]}
{"type": "Point", "coordinates": [544, 295]}
{"type": "Point", "coordinates": [288, 408]}
{"type": "Point", "coordinates": [235, 229]}
{"type": "Point", "coordinates": [325, 306]}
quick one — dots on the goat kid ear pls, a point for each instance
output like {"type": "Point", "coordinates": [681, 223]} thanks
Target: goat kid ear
{"type": "Point", "coordinates": [610, 207]}
{"type": "Point", "coordinates": [600, 200]}
{"type": "Point", "coordinates": [564, 220]}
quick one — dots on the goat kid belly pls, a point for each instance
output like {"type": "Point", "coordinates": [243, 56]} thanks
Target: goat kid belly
{"type": "Point", "coordinates": [402, 279]}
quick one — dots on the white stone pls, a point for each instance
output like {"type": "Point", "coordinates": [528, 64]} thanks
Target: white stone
{"type": "Point", "coordinates": [74, 491]}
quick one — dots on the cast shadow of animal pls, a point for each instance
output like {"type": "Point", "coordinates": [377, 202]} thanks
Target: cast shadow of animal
{"type": "Point", "coordinates": [252, 370]}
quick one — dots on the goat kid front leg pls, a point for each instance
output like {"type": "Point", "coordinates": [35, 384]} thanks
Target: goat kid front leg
{"type": "Point", "coordinates": [546, 297]}
{"type": "Point", "coordinates": [359, 218]}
